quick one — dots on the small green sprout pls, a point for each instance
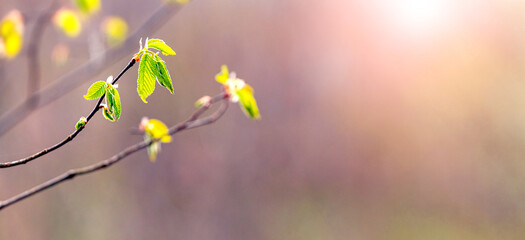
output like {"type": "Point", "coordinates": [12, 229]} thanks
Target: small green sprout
{"type": "Point", "coordinates": [81, 123]}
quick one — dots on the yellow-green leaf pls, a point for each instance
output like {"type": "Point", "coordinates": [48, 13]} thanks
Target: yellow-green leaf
{"type": "Point", "coordinates": [248, 103]}
{"type": "Point", "coordinates": [108, 114]}
{"type": "Point", "coordinates": [155, 131]}
{"type": "Point", "coordinates": [161, 46]}
{"type": "Point", "coordinates": [163, 76]}
{"type": "Point", "coordinates": [113, 100]}
{"type": "Point", "coordinates": [96, 90]}
{"type": "Point", "coordinates": [223, 75]}
{"type": "Point", "coordinates": [147, 75]}
{"type": "Point", "coordinates": [116, 30]}
{"type": "Point", "coordinates": [158, 130]}
{"type": "Point", "coordinates": [68, 22]}
{"type": "Point", "coordinates": [88, 7]}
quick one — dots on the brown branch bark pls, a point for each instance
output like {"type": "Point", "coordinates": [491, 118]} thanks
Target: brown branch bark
{"type": "Point", "coordinates": [71, 80]}
{"type": "Point", "coordinates": [192, 122]}
{"type": "Point", "coordinates": [72, 135]}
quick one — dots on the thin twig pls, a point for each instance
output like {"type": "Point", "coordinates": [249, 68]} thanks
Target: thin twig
{"type": "Point", "coordinates": [71, 80]}
{"type": "Point", "coordinates": [33, 49]}
{"type": "Point", "coordinates": [126, 152]}
{"type": "Point", "coordinates": [191, 122]}
{"type": "Point", "coordinates": [72, 135]}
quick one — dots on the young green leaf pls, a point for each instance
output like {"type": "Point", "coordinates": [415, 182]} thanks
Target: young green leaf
{"type": "Point", "coordinates": [118, 107]}
{"type": "Point", "coordinates": [108, 114]}
{"type": "Point", "coordinates": [147, 73]}
{"type": "Point", "coordinates": [161, 46]}
{"type": "Point", "coordinates": [96, 90]}
{"type": "Point", "coordinates": [248, 103]}
{"type": "Point", "coordinates": [163, 76]}
{"type": "Point", "coordinates": [223, 75]}
{"type": "Point", "coordinates": [113, 98]}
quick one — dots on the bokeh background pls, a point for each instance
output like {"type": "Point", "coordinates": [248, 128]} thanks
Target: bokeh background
{"type": "Point", "coordinates": [381, 119]}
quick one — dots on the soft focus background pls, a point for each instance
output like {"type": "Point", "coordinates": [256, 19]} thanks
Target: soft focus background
{"type": "Point", "coordinates": [381, 119]}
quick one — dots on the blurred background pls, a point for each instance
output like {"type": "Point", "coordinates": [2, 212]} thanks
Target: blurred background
{"type": "Point", "coordinates": [381, 119]}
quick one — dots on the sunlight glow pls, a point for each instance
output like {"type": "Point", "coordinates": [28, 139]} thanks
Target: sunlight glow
{"type": "Point", "coordinates": [421, 17]}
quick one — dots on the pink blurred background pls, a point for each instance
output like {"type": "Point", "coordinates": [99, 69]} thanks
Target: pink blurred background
{"type": "Point", "coordinates": [381, 119]}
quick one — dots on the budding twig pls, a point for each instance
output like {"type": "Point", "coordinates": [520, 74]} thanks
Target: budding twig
{"type": "Point", "coordinates": [74, 78]}
{"type": "Point", "coordinates": [72, 135]}
{"type": "Point", "coordinates": [192, 122]}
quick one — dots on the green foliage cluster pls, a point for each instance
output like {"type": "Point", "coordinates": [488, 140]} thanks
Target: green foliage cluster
{"type": "Point", "coordinates": [152, 68]}
{"type": "Point", "coordinates": [112, 108]}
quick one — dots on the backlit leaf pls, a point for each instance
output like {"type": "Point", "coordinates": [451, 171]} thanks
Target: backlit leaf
{"type": "Point", "coordinates": [163, 76]}
{"type": "Point", "coordinates": [96, 90]}
{"type": "Point", "coordinates": [158, 130]}
{"type": "Point", "coordinates": [114, 104]}
{"type": "Point", "coordinates": [155, 129]}
{"type": "Point", "coordinates": [108, 114]}
{"type": "Point", "coordinates": [223, 75]}
{"type": "Point", "coordinates": [161, 46]}
{"type": "Point", "coordinates": [147, 73]}
{"type": "Point", "coordinates": [248, 103]}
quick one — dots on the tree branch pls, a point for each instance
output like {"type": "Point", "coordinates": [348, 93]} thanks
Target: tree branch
{"type": "Point", "coordinates": [76, 77]}
{"type": "Point", "coordinates": [33, 47]}
{"type": "Point", "coordinates": [71, 136]}
{"type": "Point", "coordinates": [192, 122]}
